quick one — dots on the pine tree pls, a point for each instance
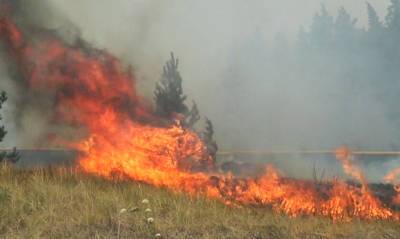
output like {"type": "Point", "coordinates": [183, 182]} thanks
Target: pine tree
{"type": "Point", "coordinates": [192, 117]}
{"type": "Point", "coordinates": [170, 99]}
{"type": "Point", "coordinates": [393, 16]}
{"type": "Point", "coordinates": [345, 32]}
{"type": "Point", "coordinates": [321, 29]}
{"type": "Point", "coordinates": [13, 156]}
{"type": "Point", "coordinates": [171, 104]}
{"type": "Point", "coordinates": [391, 46]}
{"type": "Point", "coordinates": [344, 24]}
{"type": "Point", "coordinates": [208, 139]}
{"type": "Point", "coordinates": [169, 95]}
{"type": "Point", "coordinates": [374, 23]}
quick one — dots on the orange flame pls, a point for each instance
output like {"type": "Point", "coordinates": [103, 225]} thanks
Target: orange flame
{"type": "Point", "coordinates": [391, 178]}
{"type": "Point", "coordinates": [124, 138]}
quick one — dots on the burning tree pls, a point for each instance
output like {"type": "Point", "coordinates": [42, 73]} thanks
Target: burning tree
{"type": "Point", "coordinates": [171, 103]}
{"type": "Point", "coordinates": [12, 156]}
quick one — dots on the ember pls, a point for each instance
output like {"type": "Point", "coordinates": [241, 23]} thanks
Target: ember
{"type": "Point", "coordinates": [124, 137]}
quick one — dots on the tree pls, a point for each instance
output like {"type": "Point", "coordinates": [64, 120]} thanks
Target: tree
{"type": "Point", "coordinates": [171, 104]}
{"type": "Point", "coordinates": [169, 95]}
{"type": "Point", "coordinates": [374, 23]}
{"type": "Point", "coordinates": [12, 156]}
{"type": "Point", "coordinates": [321, 29]}
{"type": "Point", "coordinates": [393, 16]}
{"type": "Point", "coordinates": [208, 139]}
{"type": "Point", "coordinates": [192, 117]}
{"type": "Point", "coordinates": [392, 36]}
{"type": "Point", "coordinates": [344, 25]}
{"type": "Point", "coordinates": [345, 32]}
{"type": "Point", "coordinates": [170, 99]}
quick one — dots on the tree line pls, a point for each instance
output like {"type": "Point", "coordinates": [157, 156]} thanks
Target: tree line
{"type": "Point", "coordinates": [327, 76]}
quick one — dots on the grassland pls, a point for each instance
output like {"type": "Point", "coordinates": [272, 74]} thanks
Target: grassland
{"type": "Point", "coordinates": [59, 203]}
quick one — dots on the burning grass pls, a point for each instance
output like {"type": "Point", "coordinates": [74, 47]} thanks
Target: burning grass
{"type": "Point", "coordinates": [60, 203]}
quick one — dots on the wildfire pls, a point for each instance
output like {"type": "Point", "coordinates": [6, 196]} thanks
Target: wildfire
{"type": "Point", "coordinates": [123, 138]}
{"type": "Point", "coordinates": [391, 178]}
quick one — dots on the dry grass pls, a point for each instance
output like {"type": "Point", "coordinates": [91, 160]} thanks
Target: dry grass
{"type": "Point", "coordinates": [61, 204]}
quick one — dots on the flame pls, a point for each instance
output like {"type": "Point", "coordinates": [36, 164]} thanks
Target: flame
{"type": "Point", "coordinates": [123, 138]}
{"type": "Point", "coordinates": [391, 177]}
{"type": "Point", "coordinates": [344, 155]}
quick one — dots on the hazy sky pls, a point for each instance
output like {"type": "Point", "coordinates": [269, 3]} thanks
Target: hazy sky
{"type": "Point", "coordinates": [195, 30]}
{"type": "Point", "coordinates": [201, 33]}
{"type": "Point", "coordinates": [269, 15]}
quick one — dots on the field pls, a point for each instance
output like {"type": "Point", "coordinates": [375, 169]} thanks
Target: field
{"type": "Point", "coordinates": [60, 203]}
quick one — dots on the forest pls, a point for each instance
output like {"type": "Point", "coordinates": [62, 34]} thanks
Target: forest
{"type": "Point", "coordinates": [337, 83]}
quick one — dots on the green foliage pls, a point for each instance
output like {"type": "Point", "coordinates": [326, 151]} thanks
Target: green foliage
{"type": "Point", "coordinates": [208, 139]}
{"type": "Point", "coordinates": [171, 101]}
{"type": "Point", "coordinates": [169, 95]}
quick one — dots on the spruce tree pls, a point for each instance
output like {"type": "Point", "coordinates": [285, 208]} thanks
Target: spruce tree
{"type": "Point", "coordinates": [169, 95]}
{"type": "Point", "coordinates": [171, 104]}
{"type": "Point", "coordinates": [345, 31]}
{"type": "Point", "coordinates": [344, 24]}
{"type": "Point", "coordinates": [208, 139]}
{"type": "Point", "coordinates": [170, 99]}
{"type": "Point", "coordinates": [321, 29]}
{"type": "Point", "coordinates": [393, 16]}
{"type": "Point", "coordinates": [374, 23]}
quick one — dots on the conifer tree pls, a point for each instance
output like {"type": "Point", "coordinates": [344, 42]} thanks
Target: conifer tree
{"type": "Point", "coordinates": [393, 16]}
{"type": "Point", "coordinates": [321, 29]}
{"type": "Point", "coordinates": [374, 23]}
{"type": "Point", "coordinates": [169, 95]}
{"type": "Point", "coordinates": [208, 139]}
{"type": "Point", "coordinates": [171, 104]}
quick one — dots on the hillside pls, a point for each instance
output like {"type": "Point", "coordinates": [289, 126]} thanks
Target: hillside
{"type": "Point", "coordinates": [60, 203]}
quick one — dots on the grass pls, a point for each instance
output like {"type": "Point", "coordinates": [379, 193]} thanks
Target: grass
{"type": "Point", "coordinates": [58, 203]}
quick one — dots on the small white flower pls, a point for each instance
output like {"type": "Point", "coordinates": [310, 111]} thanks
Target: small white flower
{"type": "Point", "coordinates": [148, 210]}
{"type": "Point", "coordinates": [150, 220]}
{"type": "Point", "coordinates": [158, 235]}
{"type": "Point", "coordinates": [123, 210]}
{"type": "Point", "coordinates": [145, 201]}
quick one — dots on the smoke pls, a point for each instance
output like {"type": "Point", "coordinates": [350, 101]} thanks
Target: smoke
{"type": "Point", "coordinates": [237, 63]}
{"type": "Point", "coordinates": [271, 105]}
